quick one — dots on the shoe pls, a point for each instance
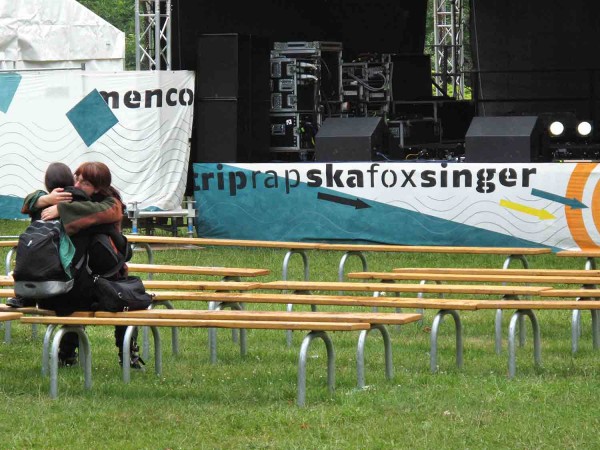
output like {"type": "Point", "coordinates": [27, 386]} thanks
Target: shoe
{"type": "Point", "coordinates": [67, 359]}
{"type": "Point", "coordinates": [19, 302]}
{"type": "Point", "coordinates": [135, 360]}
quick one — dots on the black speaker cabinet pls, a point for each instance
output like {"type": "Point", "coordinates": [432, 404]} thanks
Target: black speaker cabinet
{"type": "Point", "coordinates": [233, 65]}
{"type": "Point", "coordinates": [231, 131]}
{"type": "Point", "coordinates": [503, 139]}
{"type": "Point", "coordinates": [232, 98]}
{"type": "Point", "coordinates": [349, 139]}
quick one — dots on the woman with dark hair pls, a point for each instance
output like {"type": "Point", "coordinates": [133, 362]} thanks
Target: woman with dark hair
{"type": "Point", "coordinates": [59, 183]}
{"type": "Point", "coordinates": [103, 213]}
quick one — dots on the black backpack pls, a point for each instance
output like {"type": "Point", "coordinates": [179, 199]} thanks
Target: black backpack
{"type": "Point", "coordinates": [44, 264]}
{"type": "Point", "coordinates": [107, 253]}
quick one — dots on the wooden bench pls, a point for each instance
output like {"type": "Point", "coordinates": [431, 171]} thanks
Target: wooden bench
{"type": "Point", "coordinates": [477, 276]}
{"type": "Point", "coordinates": [494, 276]}
{"type": "Point", "coordinates": [522, 309]}
{"type": "Point", "coordinates": [588, 279]}
{"type": "Point", "coordinates": [488, 271]}
{"type": "Point", "coordinates": [358, 250]}
{"type": "Point", "coordinates": [341, 286]}
{"type": "Point", "coordinates": [589, 255]}
{"type": "Point", "coordinates": [317, 326]}
{"type": "Point", "coordinates": [228, 273]}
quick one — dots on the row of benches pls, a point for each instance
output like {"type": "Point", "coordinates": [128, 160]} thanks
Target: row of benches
{"type": "Point", "coordinates": [196, 290]}
{"type": "Point", "coordinates": [318, 325]}
{"type": "Point", "coordinates": [300, 295]}
{"type": "Point", "coordinates": [301, 248]}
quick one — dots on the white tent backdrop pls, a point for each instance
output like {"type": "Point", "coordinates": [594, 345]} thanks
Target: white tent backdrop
{"type": "Point", "coordinates": [138, 123]}
{"type": "Point", "coordinates": [54, 34]}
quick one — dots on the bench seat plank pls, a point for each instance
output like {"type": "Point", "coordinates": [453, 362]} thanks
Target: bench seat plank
{"type": "Point", "coordinates": [198, 323]}
{"type": "Point", "coordinates": [315, 299]}
{"type": "Point", "coordinates": [302, 316]}
{"type": "Point", "coordinates": [538, 304]}
{"type": "Point", "coordinates": [571, 293]}
{"type": "Point", "coordinates": [579, 253]}
{"type": "Point", "coordinates": [198, 270]}
{"type": "Point", "coordinates": [475, 277]}
{"type": "Point", "coordinates": [42, 312]}
{"type": "Point", "coordinates": [219, 242]}
{"type": "Point", "coordinates": [5, 316]}
{"type": "Point", "coordinates": [487, 271]}
{"type": "Point", "coordinates": [399, 287]}
{"type": "Point", "coordinates": [436, 249]}
{"type": "Point", "coordinates": [201, 285]}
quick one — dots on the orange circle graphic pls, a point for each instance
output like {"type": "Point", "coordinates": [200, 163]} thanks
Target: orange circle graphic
{"type": "Point", "coordinates": [574, 217]}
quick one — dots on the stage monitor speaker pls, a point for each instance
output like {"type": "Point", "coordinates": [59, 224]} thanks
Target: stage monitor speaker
{"type": "Point", "coordinates": [503, 139]}
{"type": "Point", "coordinates": [349, 139]}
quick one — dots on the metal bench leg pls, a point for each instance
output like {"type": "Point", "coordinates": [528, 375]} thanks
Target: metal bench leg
{"type": "Point", "coordinates": [7, 332]}
{"type": "Point", "coordinates": [342, 266]}
{"type": "Point", "coordinates": [437, 321]}
{"type": "Point", "coordinates": [212, 332]}
{"type": "Point", "coordinates": [537, 350]}
{"type": "Point", "coordinates": [284, 272]}
{"type": "Point", "coordinates": [127, 350]}
{"type": "Point", "coordinates": [595, 333]}
{"type": "Point", "coordinates": [46, 349]}
{"type": "Point", "coordinates": [85, 357]}
{"type": "Point", "coordinates": [498, 321]}
{"type": "Point", "coordinates": [360, 354]}
{"type": "Point", "coordinates": [575, 330]}
{"type": "Point", "coordinates": [174, 333]}
{"type": "Point", "coordinates": [302, 363]}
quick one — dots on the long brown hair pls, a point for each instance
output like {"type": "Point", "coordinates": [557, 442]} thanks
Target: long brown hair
{"type": "Point", "coordinates": [99, 175]}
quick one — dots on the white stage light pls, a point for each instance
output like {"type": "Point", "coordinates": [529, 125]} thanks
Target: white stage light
{"type": "Point", "coordinates": [584, 128]}
{"type": "Point", "coordinates": [556, 128]}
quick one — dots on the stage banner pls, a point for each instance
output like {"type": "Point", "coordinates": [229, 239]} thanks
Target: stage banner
{"type": "Point", "coordinates": [138, 123]}
{"type": "Point", "coordinates": [554, 205]}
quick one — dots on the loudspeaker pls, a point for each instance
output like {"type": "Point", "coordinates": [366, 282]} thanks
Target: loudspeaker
{"type": "Point", "coordinates": [231, 131]}
{"type": "Point", "coordinates": [349, 139]}
{"type": "Point", "coordinates": [233, 65]}
{"type": "Point", "coordinates": [232, 98]}
{"type": "Point", "coordinates": [503, 139]}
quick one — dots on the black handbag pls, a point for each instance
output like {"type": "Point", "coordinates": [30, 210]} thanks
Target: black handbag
{"type": "Point", "coordinates": [125, 294]}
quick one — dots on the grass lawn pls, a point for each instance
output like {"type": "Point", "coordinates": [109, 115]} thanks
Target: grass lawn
{"type": "Point", "coordinates": [249, 402]}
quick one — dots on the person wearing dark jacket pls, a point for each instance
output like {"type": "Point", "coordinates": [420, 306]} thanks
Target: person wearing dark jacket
{"type": "Point", "coordinates": [103, 212]}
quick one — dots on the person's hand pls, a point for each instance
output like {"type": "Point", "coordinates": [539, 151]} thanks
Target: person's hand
{"type": "Point", "coordinates": [59, 195]}
{"type": "Point", "coordinates": [49, 213]}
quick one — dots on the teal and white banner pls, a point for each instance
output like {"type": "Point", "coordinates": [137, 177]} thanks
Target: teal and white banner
{"type": "Point", "coordinates": [507, 205]}
{"type": "Point", "coordinates": [138, 123]}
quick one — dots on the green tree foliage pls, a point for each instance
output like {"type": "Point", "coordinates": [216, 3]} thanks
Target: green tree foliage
{"type": "Point", "coordinates": [120, 14]}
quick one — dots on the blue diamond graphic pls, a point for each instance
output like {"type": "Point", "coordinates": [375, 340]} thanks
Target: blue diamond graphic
{"type": "Point", "coordinates": [92, 117]}
{"type": "Point", "coordinates": [9, 83]}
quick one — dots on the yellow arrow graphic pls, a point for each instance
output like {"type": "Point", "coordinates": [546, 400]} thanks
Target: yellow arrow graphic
{"type": "Point", "coordinates": [541, 214]}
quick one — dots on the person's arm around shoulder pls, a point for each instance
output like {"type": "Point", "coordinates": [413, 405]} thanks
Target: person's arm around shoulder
{"type": "Point", "coordinates": [39, 200]}
{"type": "Point", "coordinates": [77, 216]}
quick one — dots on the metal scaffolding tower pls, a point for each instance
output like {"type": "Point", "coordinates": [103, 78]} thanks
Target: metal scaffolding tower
{"type": "Point", "coordinates": [448, 47]}
{"type": "Point", "coordinates": [153, 34]}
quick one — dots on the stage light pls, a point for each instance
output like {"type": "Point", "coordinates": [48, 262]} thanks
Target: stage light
{"type": "Point", "coordinates": [556, 128]}
{"type": "Point", "coordinates": [584, 128]}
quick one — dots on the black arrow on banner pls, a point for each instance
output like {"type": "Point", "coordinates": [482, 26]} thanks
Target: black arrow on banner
{"type": "Point", "coordinates": [356, 202]}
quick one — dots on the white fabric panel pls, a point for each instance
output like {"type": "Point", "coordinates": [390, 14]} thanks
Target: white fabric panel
{"type": "Point", "coordinates": [56, 33]}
